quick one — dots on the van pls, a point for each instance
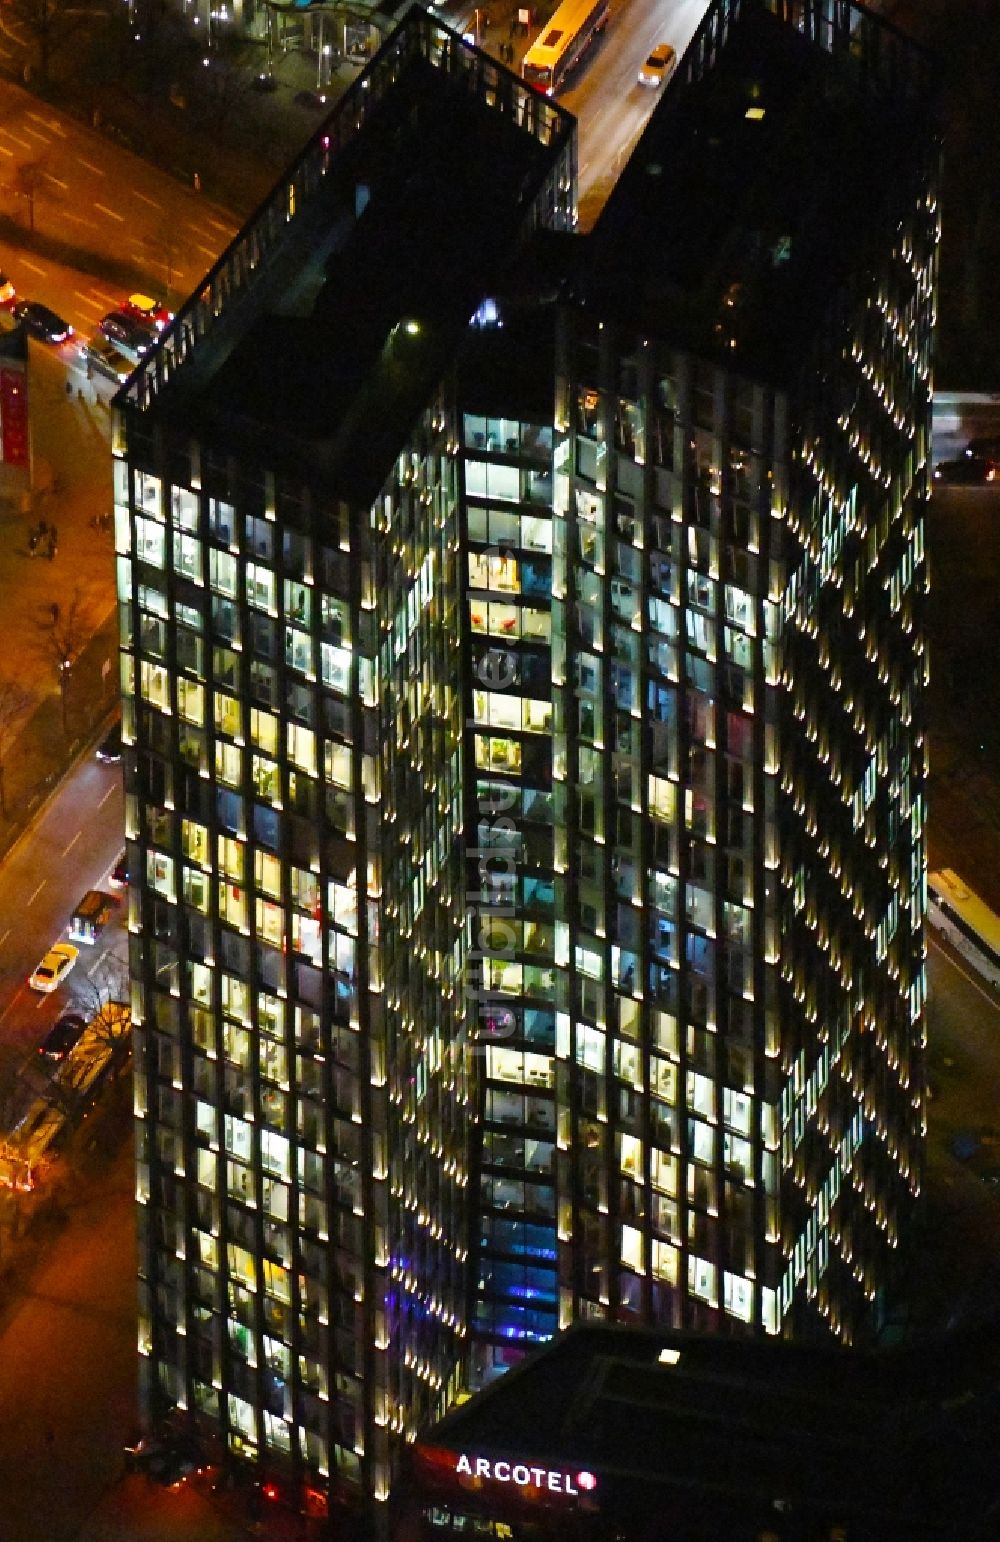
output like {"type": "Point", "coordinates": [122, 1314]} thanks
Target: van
{"type": "Point", "coordinates": [92, 915]}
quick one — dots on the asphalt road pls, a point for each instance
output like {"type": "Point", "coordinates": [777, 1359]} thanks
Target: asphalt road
{"type": "Point", "coordinates": [958, 1261]}
{"type": "Point", "coordinates": [606, 97]}
{"type": "Point", "coordinates": [121, 224]}
{"type": "Point", "coordinates": [71, 848]}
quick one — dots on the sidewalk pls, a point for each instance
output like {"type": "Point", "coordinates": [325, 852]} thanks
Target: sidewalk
{"type": "Point", "coordinates": [72, 461]}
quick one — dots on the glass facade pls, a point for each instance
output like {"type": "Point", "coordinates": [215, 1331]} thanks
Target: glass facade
{"type": "Point", "coordinates": [294, 818]}
{"type": "Point", "coordinates": [528, 852]}
{"type": "Point", "coordinates": [508, 513]}
{"type": "Point", "coordinates": [739, 767]}
{"type": "Point", "coordinates": [297, 789]}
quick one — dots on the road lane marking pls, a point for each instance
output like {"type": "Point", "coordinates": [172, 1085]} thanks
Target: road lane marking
{"type": "Point", "coordinates": [49, 123]}
{"type": "Point", "coordinates": [5, 151]}
{"type": "Point", "coordinates": [151, 201]}
{"type": "Point", "coordinates": [12, 1003]}
{"type": "Point", "coordinates": [69, 848]}
{"type": "Point", "coordinates": [90, 166]}
{"type": "Point", "coordinates": [210, 251]}
{"type": "Point", "coordinates": [6, 934]}
{"type": "Point", "coordinates": [50, 178]}
{"type": "Point", "coordinates": [38, 891]}
{"type": "Point", "coordinates": [22, 142]}
{"type": "Point", "coordinates": [34, 267]}
{"type": "Point", "coordinates": [110, 212]}
{"type": "Point", "coordinates": [97, 961]}
{"type": "Point", "coordinates": [87, 299]}
{"type": "Point", "coordinates": [215, 225]}
{"type": "Point", "coordinates": [36, 135]}
{"type": "Point", "coordinates": [107, 795]}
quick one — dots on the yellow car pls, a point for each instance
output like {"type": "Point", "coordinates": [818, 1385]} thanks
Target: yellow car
{"type": "Point", "coordinates": [54, 967]}
{"type": "Point", "coordinates": [659, 66]}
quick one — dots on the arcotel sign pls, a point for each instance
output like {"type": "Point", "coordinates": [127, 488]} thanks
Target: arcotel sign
{"type": "Point", "coordinates": [552, 1480]}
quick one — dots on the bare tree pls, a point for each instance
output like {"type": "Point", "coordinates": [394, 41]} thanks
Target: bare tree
{"type": "Point", "coordinates": [29, 179]}
{"type": "Point", "coordinates": [15, 702]}
{"type": "Point", "coordinates": [103, 1049]}
{"type": "Point", "coordinates": [166, 248]}
{"type": "Point", "coordinates": [50, 24]}
{"type": "Point", "coordinates": [105, 997]}
{"type": "Point", "coordinates": [64, 634]}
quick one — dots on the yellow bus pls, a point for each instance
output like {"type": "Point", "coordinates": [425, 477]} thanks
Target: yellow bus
{"type": "Point", "coordinates": [562, 42]}
{"type": "Point", "coordinates": [966, 921]}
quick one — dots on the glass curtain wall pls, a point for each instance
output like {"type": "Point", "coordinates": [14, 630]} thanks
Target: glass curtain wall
{"type": "Point", "coordinates": [291, 696]}
{"type": "Point", "coordinates": [508, 489]}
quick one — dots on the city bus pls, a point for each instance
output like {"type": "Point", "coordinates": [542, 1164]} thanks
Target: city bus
{"type": "Point", "coordinates": [966, 921]}
{"type": "Point", "coordinates": [562, 42]}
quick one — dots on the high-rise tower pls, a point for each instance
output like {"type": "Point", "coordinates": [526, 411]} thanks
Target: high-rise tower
{"type": "Point", "coordinates": [291, 582]}
{"type": "Point", "coordinates": [523, 674]}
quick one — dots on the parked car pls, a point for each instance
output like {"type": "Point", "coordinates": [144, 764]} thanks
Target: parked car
{"type": "Point", "coordinates": [102, 358]}
{"type": "Point", "coordinates": [659, 65]}
{"type": "Point", "coordinates": [7, 290]}
{"type": "Point", "coordinates": [91, 916]}
{"type": "Point", "coordinates": [118, 877]}
{"type": "Point", "coordinates": [54, 967]}
{"type": "Point", "coordinates": [62, 1036]}
{"type": "Point", "coordinates": [110, 748]}
{"type": "Point", "coordinates": [984, 449]}
{"type": "Point", "coordinates": [146, 307]}
{"type": "Point", "coordinates": [167, 1460]}
{"type": "Point", "coordinates": [40, 321]}
{"type": "Point", "coordinates": [969, 470]}
{"type": "Point", "coordinates": [130, 335]}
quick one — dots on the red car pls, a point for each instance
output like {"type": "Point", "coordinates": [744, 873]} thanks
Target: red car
{"type": "Point", "coordinates": [145, 308]}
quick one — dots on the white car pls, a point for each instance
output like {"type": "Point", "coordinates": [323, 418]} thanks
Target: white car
{"type": "Point", "coordinates": [659, 66]}
{"type": "Point", "coordinates": [54, 967]}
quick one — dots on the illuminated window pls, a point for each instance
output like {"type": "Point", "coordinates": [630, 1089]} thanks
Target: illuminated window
{"type": "Point", "coordinates": [154, 685]}
{"type": "Point", "coordinates": [227, 714]}
{"type": "Point", "coordinates": [738, 1296]}
{"type": "Point", "coordinates": [190, 700]}
{"type": "Point", "coordinates": [702, 1280]}
{"type": "Point", "coordinates": [150, 539]}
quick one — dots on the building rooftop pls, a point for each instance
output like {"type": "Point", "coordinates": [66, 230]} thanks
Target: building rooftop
{"type": "Point", "coordinates": [758, 176]}
{"type": "Point", "coordinates": [898, 1442]}
{"type": "Point", "coordinates": [423, 184]}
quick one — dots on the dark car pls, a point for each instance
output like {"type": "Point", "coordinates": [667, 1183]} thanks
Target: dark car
{"type": "Point", "coordinates": [166, 1460]}
{"type": "Point", "coordinates": [118, 876]}
{"type": "Point", "coordinates": [62, 1036]}
{"type": "Point", "coordinates": [40, 321]}
{"type": "Point", "coordinates": [110, 748]}
{"type": "Point", "coordinates": [309, 99]}
{"type": "Point", "coordinates": [970, 470]}
{"type": "Point", "coordinates": [132, 336]}
{"type": "Point", "coordinates": [984, 449]}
